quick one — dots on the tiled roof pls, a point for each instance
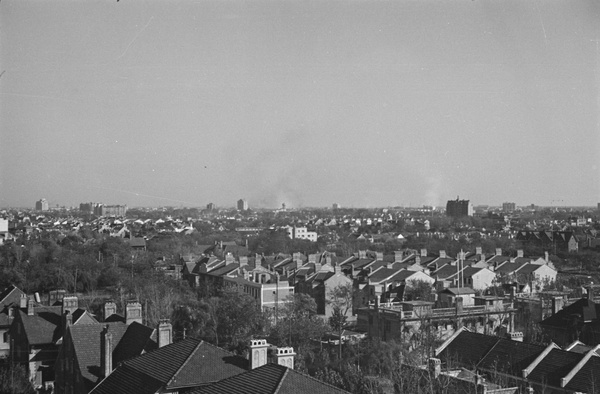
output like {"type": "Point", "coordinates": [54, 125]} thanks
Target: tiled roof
{"type": "Point", "coordinates": [510, 356]}
{"type": "Point", "coordinates": [509, 267]}
{"type": "Point", "coordinates": [269, 379]}
{"type": "Point", "coordinates": [382, 274]}
{"type": "Point", "coordinates": [188, 363]}
{"type": "Point", "coordinates": [41, 328]}
{"type": "Point", "coordinates": [467, 349]}
{"type": "Point", "coordinates": [10, 295]}
{"type": "Point", "coordinates": [557, 364]}
{"type": "Point", "coordinates": [86, 343]}
{"type": "Point", "coordinates": [445, 272]}
{"type": "Point", "coordinates": [136, 339]}
{"type": "Point", "coordinates": [587, 377]}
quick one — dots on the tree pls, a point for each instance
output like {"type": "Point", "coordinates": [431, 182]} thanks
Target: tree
{"type": "Point", "coordinates": [418, 290]}
{"type": "Point", "coordinates": [14, 380]}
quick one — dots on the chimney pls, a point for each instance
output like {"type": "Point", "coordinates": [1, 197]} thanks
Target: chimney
{"type": "Point", "coordinates": [389, 266]}
{"type": "Point", "coordinates": [498, 252]}
{"type": "Point", "coordinates": [258, 353]}
{"type": "Point", "coordinates": [423, 252]}
{"type": "Point", "coordinates": [338, 269]}
{"type": "Point", "coordinates": [328, 259]}
{"type": "Point", "coordinates": [478, 250]}
{"type": "Point", "coordinates": [229, 259]}
{"type": "Point", "coordinates": [29, 306]}
{"type": "Point", "coordinates": [398, 255]}
{"type": "Point", "coordinates": [285, 356]}
{"type": "Point", "coordinates": [164, 334]}
{"type": "Point", "coordinates": [70, 303]}
{"type": "Point", "coordinates": [106, 349]}
{"type": "Point", "coordinates": [68, 319]}
{"type": "Point", "coordinates": [379, 256]}
{"type": "Point", "coordinates": [557, 304]}
{"type": "Point", "coordinates": [110, 308]}
{"type": "Point", "coordinates": [133, 312]}
{"type": "Point", "coordinates": [442, 254]}
{"type": "Point", "coordinates": [23, 301]}
{"type": "Point", "coordinates": [435, 367]}
{"type": "Point", "coordinates": [520, 253]}
{"type": "Point", "coordinates": [590, 292]}
{"type": "Point", "coordinates": [312, 258]}
{"type": "Point", "coordinates": [317, 267]}
{"type": "Point", "coordinates": [362, 254]}
{"type": "Point", "coordinates": [459, 305]}
{"type": "Point", "coordinates": [546, 256]}
{"type": "Point", "coordinates": [243, 261]}
{"type": "Point", "coordinates": [515, 336]}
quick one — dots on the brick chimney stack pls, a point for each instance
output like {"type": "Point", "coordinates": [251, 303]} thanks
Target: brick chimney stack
{"type": "Point", "coordinates": [164, 335]}
{"type": "Point", "coordinates": [133, 312]}
{"type": "Point", "coordinates": [106, 348]}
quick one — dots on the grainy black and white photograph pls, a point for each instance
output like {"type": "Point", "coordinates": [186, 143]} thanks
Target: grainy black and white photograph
{"type": "Point", "coordinates": [299, 196]}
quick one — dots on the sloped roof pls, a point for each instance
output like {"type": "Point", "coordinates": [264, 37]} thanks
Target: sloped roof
{"type": "Point", "coordinates": [269, 379]}
{"type": "Point", "coordinates": [587, 377]}
{"type": "Point", "coordinates": [42, 328]}
{"type": "Point", "coordinates": [188, 363]}
{"type": "Point", "coordinates": [86, 344]}
{"type": "Point", "coordinates": [583, 308]}
{"type": "Point", "coordinates": [510, 356]}
{"type": "Point", "coordinates": [137, 338]}
{"type": "Point", "coordinates": [556, 365]}
{"type": "Point", "coordinates": [10, 295]}
{"type": "Point", "coordinates": [467, 349]}
{"type": "Point", "coordinates": [381, 274]}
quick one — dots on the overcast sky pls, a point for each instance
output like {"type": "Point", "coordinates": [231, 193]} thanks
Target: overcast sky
{"type": "Point", "coordinates": [363, 103]}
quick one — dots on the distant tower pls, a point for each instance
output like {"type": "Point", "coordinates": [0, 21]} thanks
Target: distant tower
{"type": "Point", "coordinates": [41, 205]}
{"type": "Point", "coordinates": [459, 208]}
{"type": "Point", "coordinates": [242, 205]}
{"type": "Point", "coordinates": [283, 206]}
{"type": "Point", "coordinates": [336, 206]}
{"type": "Point", "coordinates": [508, 206]}
{"type": "Point", "coordinates": [210, 206]}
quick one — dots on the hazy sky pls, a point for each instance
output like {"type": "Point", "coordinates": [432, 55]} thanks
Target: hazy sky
{"type": "Point", "coordinates": [363, 103]}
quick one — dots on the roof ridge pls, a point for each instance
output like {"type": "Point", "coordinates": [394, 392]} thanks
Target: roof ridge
{"type": "Point", "coordinates": [312, 378]}
{"type": "Point", "coordinates": [172, 380]}
{"type": "Point", "coordinates": [281, 380]}
{"type": "Point", "coordinates": [159, 348]}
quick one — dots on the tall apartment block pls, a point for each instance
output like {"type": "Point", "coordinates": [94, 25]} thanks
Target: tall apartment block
{"type": "Point", "coordinates": [459, 208]}
{"type": "Point", "coordinates": [242, 205]}
{"type": "Point", "coordinates": [41, 205]}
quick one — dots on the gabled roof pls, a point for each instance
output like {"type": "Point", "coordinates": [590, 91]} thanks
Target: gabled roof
{"type": "Point", "coordinates": [269, 379]}
{"type": "Point", "coordinates": [466, 348]}
{"type": "Point", "coordinates": [86, 344]}
{"type": "Point", "coordinates": [508, 268]}
{"type": "Point", "coordinates": [445, 272]}
{"type": "Point", "coordinates": [510, 356]}
{"type": "Point", "coordinates": [10, 295]}
{"type": "Point", "coordinates": [557, 364]}
{"type": "Point", "coordinates": [458, 290]}
{"type": "Point", "coordinates": [188, 363]}
{"type": "Point", "coordinates": [382, 274]}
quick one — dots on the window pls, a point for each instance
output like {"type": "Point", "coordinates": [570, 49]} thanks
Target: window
{"type": "Point", "coordinates": [6, 337]}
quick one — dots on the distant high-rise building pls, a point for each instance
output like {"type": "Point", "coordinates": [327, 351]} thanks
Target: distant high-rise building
{"type": "Point", "coordinates": [210, 206]}
{"type": "Point", "coordinates": [242, 205]}
{"type": "Point", "coordinates": [87, 207]}
{"type": "Point", "coordinates": [110, 210]}
{"type": "Point", "coordinates": [41, 205]}
{"type": "Point", "coordinates": [509, 206]}
{"type": "Point", "coordinates": [459, 208]}
{"type": "Point", "coordinates": [335, 206]}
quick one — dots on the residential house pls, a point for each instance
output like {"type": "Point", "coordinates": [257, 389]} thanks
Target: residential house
{"type": "Point", "coordinates": [577, 321]}
{"type": "Point", "coordinates": [37, 332]}
{"type": "Point", "coordinates": [532, 367]}
{"type": "Point", "coordinates": [173, 368]}
{"type": "Point", "coordinates": [319, 286]}
{"type": "Point", "coordinates": [89, 352]}
{"type": "Point", "coordinates": [10, 298]}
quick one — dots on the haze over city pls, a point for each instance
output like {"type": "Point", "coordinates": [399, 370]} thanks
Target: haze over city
{"type": "Point", "coordinates": [362, 103]}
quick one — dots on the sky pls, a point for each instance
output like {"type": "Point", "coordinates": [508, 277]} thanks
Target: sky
{"type": "Point", "coordinates": [361, 103]}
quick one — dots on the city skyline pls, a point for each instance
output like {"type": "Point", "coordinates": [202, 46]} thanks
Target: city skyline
{"type": "Point", "coordinates": [367, 104]}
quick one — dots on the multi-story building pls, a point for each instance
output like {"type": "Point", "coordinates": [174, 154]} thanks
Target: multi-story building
{"type": "Point", "coordinates": [110, 210]}
{"type": "Point", "coordinates": [210, 206]}
{"type": "Point", "coordinates": [301, 233]}
{"type": "Point", "coordinates": [242, 205]}
{"type": "Point", "coordinates": [459, 208]}
{"type": "Point", "coordinates": [41, 205]}
{"type": "Point", "coordinates": [509, 206]}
